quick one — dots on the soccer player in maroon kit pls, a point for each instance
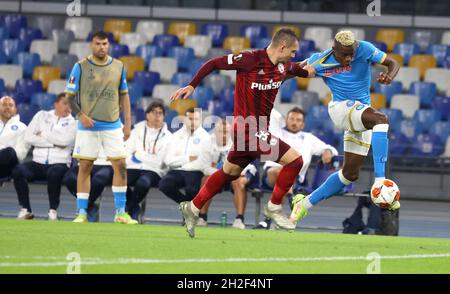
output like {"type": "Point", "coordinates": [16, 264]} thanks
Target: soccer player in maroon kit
{"type": "Point", "coordinates": [259, 75]}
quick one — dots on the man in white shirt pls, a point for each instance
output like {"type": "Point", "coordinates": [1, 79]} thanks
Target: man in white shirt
{"type": "Point", "coordinates": [186, 159]}
{"type": "Point", "coordinates": [52, 135]}
{"type": "Point", "coordinates": [146, 149]}
{"type": "Point", "coordinates": [11, 128]}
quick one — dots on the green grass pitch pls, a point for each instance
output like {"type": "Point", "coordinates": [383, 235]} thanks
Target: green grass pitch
{"type": "Point", "coordinates": [43, 247]}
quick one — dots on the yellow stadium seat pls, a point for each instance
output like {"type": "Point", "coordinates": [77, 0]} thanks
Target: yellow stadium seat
{"type": "Point", "coordinates": [390, 37]}
{"type": "Point", "coordinates": [422, 62]}
{"type": "Point", "coordinates": [396, 57]}
{"type": "Point", "coordinates": [378, 100]}
{"type": "Point", "coordinates": [302, 83]}
{"type": "Point", "coordinates": [327, 99]}
{"type": "Point", "coordinates": [182, 105]}
{"type": "Point", "coordinates": [46, 74]}
{"type": "Point", "coordinates": [296, 29]}
{"type": "Point", "coordinates": [236, 44]}
{"type": "Point", "coordinates": [182, 30]}
{"type": "Point", "coordinates": [117, 27]}
{"type": "Point", "coordinates": [132, 65]}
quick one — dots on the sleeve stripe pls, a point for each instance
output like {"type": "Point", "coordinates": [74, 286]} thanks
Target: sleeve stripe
{"type": "Point", "coordinates": [383, 58]}
{"type": "Point", "coordinates": [230, 59]}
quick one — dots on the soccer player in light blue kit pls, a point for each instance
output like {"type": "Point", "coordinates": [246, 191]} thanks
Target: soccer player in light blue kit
{"type": "Point", "coordinates": [345, 68]}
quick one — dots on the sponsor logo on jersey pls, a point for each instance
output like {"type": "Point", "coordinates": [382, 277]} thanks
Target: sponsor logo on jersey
{"type": "Point", "coordinates": [14, 127]}
{"type": "Point", "coordinates": [281, 68]}
{"type": "Point", "coordinates": [237, 57]}
{"type": "Point", "coordinates": [270, 86]}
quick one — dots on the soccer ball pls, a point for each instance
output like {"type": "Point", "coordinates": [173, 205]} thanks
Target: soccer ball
{"type": "Point", "coordinates": [384, 193]}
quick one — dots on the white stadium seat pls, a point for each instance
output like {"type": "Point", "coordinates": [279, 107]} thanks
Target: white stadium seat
{"type": "Point", "coordinates": [56, 86]}
{"type": "Point", "coordinates": [80, 49]}
{"type": "Point", "coordinates": [320, 35]}
{"type": "Point", "coordinates": [447, 148]}
{"type": "Point", "coordinates": [164, 92]}
{"type": "Point", "coordinates": [200, 43]}
{"type": "Point", "coordinates": [229, 73]}
{"type": "Point", "coordinates": [10, 74]}
{"type": "Point", "coordinates": [217, 83]}
{"type": "Point", "coordinates": [45, 48]}
{"type": "Point", "coordinates": [408, 104]}
{"type": "Point", "coordinates": [165, 66]}
{"type": "Point", "coordinates": [407, 75]}
{"type": "Point", "coordinates": [81, 26]}
{"type": "Point", "coordinates": [318, 85]}
{"type": "Point", "coordinates": [445, 38]}
{"type": "Point", "coordinates": [439, 76]}
{"type": "Point", "coordinates": [132, 40]}
{"type": "Point", "coordinates": [149, 29]}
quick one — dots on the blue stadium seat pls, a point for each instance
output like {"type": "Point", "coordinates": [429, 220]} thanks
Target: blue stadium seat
{"type": "Point", "coordinates": [147, 52]}
{"type": "Point", "coordinates": [11, 47]}
{"type": "Point", "coordinates": [426, 118]}
{"type": "Point", "coordinates": [195, 65]}
{"type": "Point", "coordinates": [181, 79]}
{"type": "Point", "coordinates": [110, 37]}
{"type": "Point", "coordinates": [325, 135]}
{"type": "Point", "coordinates": [28, 61]}
{"type": "Point", "coordinates": [25, 88]}
{"type": "Point", "coordinates": [253, 32]}
{"type": "Point", "coordinates": [380, 45]}
{"type": "Point", "coordinates": [217, 32]}
{"type": "Point", "coordinates": [316, 117]}
{"type": "Point", "coordinates": [135, 91]}
{"type": "Point", "coordinates": [440, 52]}
{"type": "Point", "coordinates": [170, 115]}
{"type": "Point", "coordinates": [148, 80]}
{"type": "Point", "coordinates": [165, 42]}
{"type": "Point", "coordinates": [221, 109]}
{"type": "Point", "coordinates": [287, 90]}
{"type": "Point", "coordinates": [3, 58]}
{"type": "Point", "coordinates": [398, 144]}
{"type": "Point", "coordinates": [426, 92]}
{"type": "Point", "coordinates": [26, 112]}
{"type": "Point", "coordinates": [406, 50]}
{"type": "Point", "coordinates": [118, 50]}
{"type": "Point", "coordinates": [441, 129]}
{"type": "Point", "coordinates": [203, 95]}
{"type": "Point", "coordinates": [395, 117]}
{"type": "Point", "coordinates": [306, 55]}
{"type": "Point", "coordinates": [323, 171]}
{"type": "Point", "coordinates": [389, 90]}
{"type": "Point", "coordinates": [410, 128]}
{"type": "Point", "coordinates": [43, 100]}
{"type": "Point", "coordinates": [427, 145]}
{"type": "Point", "coordinates": [14, 23]}
{"type": "Point", "coordinates": [442, 104]}
{"type": "Point", "coordinates": [4, 33]}
{"type": "Point", "coordinates": [305, 99]}
{"type": "Point", "coordinates": [262, 43]}
{"type": "Point", "coordinates": [2, 86]}
{"type": "Point", "coordinates": [183, 55]}
{"type": "Point", "coordinates": [227, 95]}
{"type": "Point", "coordinates": [447, 62]}
{"type": "Point", "coordinates": [137, 115]}
{"type": "Point", "coordinates": [27, 35]}
{"type": "Point", "coordinates": [306, 45]}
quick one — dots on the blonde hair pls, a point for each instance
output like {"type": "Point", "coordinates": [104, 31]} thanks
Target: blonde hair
{"type": "Point", "coordinates": [345, 38]}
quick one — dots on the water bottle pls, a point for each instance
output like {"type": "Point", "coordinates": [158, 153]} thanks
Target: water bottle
{"type": "Point", "coordinates": [223, 220]}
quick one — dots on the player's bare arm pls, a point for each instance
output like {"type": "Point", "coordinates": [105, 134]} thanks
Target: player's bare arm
{"type": "Point", "coordinates": [85, 120]}
{"type": "Point", "coordinates": [393, 68]}
{"type": "Point", "coordinates": [126, 108]}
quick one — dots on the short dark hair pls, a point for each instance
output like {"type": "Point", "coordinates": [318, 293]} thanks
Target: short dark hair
{"type": "Point", "coordinates": [192, 110]}
{"type": "Point", "coordinates": [155, 104]}
{"type": "Point", "coordinates": [296, 110]}
{"type": "Point", "coordinates": [101, 35]}
{"type": "Point", "coordinates": [284, 34]}
{"type": "Point", "coordinates": [59, 97]}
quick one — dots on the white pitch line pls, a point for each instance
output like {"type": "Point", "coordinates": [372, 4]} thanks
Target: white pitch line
{"type": "Point", "coordinates": [99, 261]}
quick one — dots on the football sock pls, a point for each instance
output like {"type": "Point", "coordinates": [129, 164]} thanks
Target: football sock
{"type": "Point", "coordinates": [119, 198]}
{"type": "Point", "coordinates": [82, 203]}
{"type": "Point", "coordinates": [380, 144]}
{"type": "Point", "coordinates": [334, 183]}
{"type": "Point", "coordinates": [286, 179]}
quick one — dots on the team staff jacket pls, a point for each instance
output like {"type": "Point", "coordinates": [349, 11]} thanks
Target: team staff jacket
{"type": "Point", "coordinates": [11, 131]}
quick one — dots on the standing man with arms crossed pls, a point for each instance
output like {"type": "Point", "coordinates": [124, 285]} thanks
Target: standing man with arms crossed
{"type": "Point", "coordinates": [98, 90]}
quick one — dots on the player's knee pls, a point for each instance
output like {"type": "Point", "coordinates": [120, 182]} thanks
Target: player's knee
{"type": "Point", "coordinates": [381, 118]}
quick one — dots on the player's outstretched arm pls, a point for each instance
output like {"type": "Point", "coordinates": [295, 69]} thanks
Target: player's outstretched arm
{"type": "Point", "coordinates": [393, 68]}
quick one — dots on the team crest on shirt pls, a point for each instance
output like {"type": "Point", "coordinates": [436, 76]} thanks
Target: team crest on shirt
{"type": "Point", "coordinates": [360, 106]}
{"type": "Point", "coordinates": [196, 140]}
{"type": "Point", "coordinates": [281, 67]}
{"type": "Point", "coordinates": [14, 128]}
{"type": "Point", "coordinates": [350, 103]}
{"type": "Point", "coordinates": [237, 57]}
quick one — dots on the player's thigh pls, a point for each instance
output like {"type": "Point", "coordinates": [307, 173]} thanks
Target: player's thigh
{"type": "Point", "coordinates": [87, 145]}
{"type": "Point", "coordinates": [352, 165]}
{"type": "Point", "coordinates": [236, 162]}
{"type": "Point", "coordinates": [347, 115]}
{"type": "Point", "coordinates": [113, 144]}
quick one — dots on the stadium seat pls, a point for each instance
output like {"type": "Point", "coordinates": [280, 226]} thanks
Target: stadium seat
{"type": "Point", "coordinates": [63, 38]}
{"type": "Point", "coordinates": [318, 85]}
{"type": "Point", "coordinates": [398, 144]}
{"type": "Point", "coordinates": [132, 64]}
{"type": "Point", "coordinates": [406, 50]}
{"type": "Point", "coordinates": [182, 30]}
{"type": "Point", "coordinates": [165, 42]}
{"type": "Point", "coordinates": [390, 37]}
{"type": "Point", "coordinates": [375, 70]}
{"type": "Point", "coordinates": [10, 74]}
{"type": "Point", "coordinates": [426, 118]}
{"type": "Point", "coordinates": [447, 62]}
{"type": "Point", "coordinates": [3, 59]}
{"type": "Point", "coordinates": [164, 92]}
{"type": "Point", "coordinates": [27, 35]}
{"type": "Point", "coordinates": [65, 62]}
{"type": "Point", "coordinates": [165, 66]}
{"type": "Point", "coordinates": [440, 77]}
{"type": "Point", "coordinates": [14, 23]}
{"type": "Point", "coordinates": [137, 115]}
{"type": "Point", "coordinates": [380, 45]}
{"type": "Point", "coordinates": [253, 32]}
{"type": "Point", "coordinates": [195, 65]}
{"type": "Point", "coordinates": [43, 101]}
{"type": "Point", "coordinates": [407, 75]}
{"type": "Point", "coordinates": [441, 129]}
{"type": "Point", "coordinates": [144, 102]}
{"type": "Point", "coordinates": [147, 52]}
{"type": "Point", "coordinates": [221, 109]}
{"type": "Point", "coordinates": [445, 40]}
{"type": "Point", "coordinates": [148, 80]}
{"type": "Point", "coordinates": [181, 79]}
{"type": "Point", "coordinates": [261, 43]}
{"type": "Point", "coordinates": [410, 128]}
{"type": "Point", "coordinates": [305, 99]}
{"type": "Point", "coordinates": [422, 62]}
{"type": "Point", "coordinates": [360, 34]}
{"type": "Point", "coordinates": [45, 48]}
{"type": "Point", "coordinates": [395, 87]}
{"type": "Point", "coordinates": [378, 100]}
{"type": "Point", "coordinates": [172, 123]}
{"type": "Point", "coordinates": [118, 50]}
{"type": "Point", "coordinates": [47, 24]}
{"type": "Point", "coordinates": [108, 34]}
{"type": "Point", "coordinates": [426, 92]}
{"type": "Point", "coordinates": [397, 57]}
{"type": "Point", "coordinates": [217, 32]}
{"type": "Point", "coordinates": [236, 44]}
{"type": "Point", "coordinates": [408, 104]}
{"type": "Point", "coordinates": [200, 43]}
{"type": "Point", "coordinates": [46, 74]}
{"type": "Point", "coordinates": [227, 96]}
{"type": "Point", "coordinates": [80, 49]}
{"type": "Point", "coordinates": [447, 148]}
{"type": "Point", "coordinates": [182, 105]}
{"type": "Point", "coordinates": [135, 91]}
{"type": "Point", "coordinates": [229, 73]}
{"type": "Point", "coordinates": [132, 40]}
{"type": "Point", "coordinates": [26, 112]}
{"type": "Point", "coordinates": [28, 61]}
{"type": "Point", "coordinates": [117, 27]}
{"type": "Point", "coordinates": [422, 38]}
{"type": "Point", "coordinates": [320, 35]}
{"type": "Point", "coordinates": [11, 47]}
{"type": "Point", "coordinates": [217, 83]}
{"type": "Point", "coordinates": [182, 55]}
{"type": "Point", "coordinates": [326, 135]}
{"type": "Point", "coordinates": [25, 88]}
{"type": "Point", "coordinates": [440, 52]}
{"type": "Point", "coordinates": [2, 86]}
{"type": "Point", "coordinates": [295, 28]}
{"type": "Point", "coordinates": [442, 104]}
{"type": "Point", "coordinates": [287, 89]}
{"type": "Point", "coordinates": [306, 46]}
{"type": "Point", "coordinates": [149, 29]}
{"type": "Point", "coordinates": [4, 33]}
{"type": "Point", "coordinates": [395, 117]}
{"type": "Point", "coordinates": [427, 145]}
{"type": "Point", "coordinates": [81, 26]}
{"type": "Point", "coordinates": [56, 86]}
{"type": "Point", "coordinates": [203, 95]}
{"type": "Point", "coordinates": [217, 52]}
